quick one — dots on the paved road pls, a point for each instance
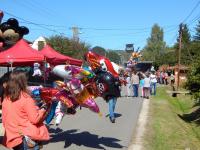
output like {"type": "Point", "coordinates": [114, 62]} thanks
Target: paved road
{"type": "Point", "coordinates": [88, 131]}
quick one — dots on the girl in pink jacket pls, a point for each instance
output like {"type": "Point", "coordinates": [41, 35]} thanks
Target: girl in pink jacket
{"type": "Point", "coordinates": [19, 112]}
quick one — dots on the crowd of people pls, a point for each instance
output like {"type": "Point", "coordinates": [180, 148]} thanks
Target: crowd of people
{"type": "Point", "coordinates": [141, 84]}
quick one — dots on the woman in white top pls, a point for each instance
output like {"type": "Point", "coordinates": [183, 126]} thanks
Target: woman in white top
{"type": "Point", "coordinates": [153, 79]}
{"type": "Point", "coordinates": [128, 86]}
{"type": "Point", "coordinates": [147, 84]}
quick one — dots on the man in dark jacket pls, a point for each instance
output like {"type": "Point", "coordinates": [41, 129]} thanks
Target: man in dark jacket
{"type": "Point", "coordinates": [109, 88]}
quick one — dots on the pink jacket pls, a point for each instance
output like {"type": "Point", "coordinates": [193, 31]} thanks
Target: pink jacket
{"type": "Point", "coordinates": [15, 118]}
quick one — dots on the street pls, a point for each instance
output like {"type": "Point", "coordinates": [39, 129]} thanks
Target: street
{"type": "Point", "coordinates": [88, 131]}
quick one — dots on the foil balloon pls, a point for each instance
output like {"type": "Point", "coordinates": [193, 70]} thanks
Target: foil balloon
{"type": "Point", "coordinates": [76, 93]}
{"type": "Point", "coordinates": [13, 23]}
{"type": "Point", "coordinates": [60, 71]}
{"type": "Point", "coordinates": [91, 104]}
{"type": "Point", "coordinates": [97, 61]}
{"type": "Point", "coordinates": [50, 94]}
{"type": "Point", "coordinates": [11, 32]}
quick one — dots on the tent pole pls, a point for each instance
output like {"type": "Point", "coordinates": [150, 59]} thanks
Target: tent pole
{"type": "Point", "coordinates": [44, 71]}
{"type": "Point", "coordinates": [11, 65]}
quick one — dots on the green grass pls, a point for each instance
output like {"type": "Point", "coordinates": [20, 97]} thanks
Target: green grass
{"type": "Point", "coordinates": [165, 130]}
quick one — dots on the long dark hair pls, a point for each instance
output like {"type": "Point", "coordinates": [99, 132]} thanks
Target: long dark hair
{"type": "Point", "coordinates": [3, 80]}
{"type": "Point", "coordinates": [17, 83]}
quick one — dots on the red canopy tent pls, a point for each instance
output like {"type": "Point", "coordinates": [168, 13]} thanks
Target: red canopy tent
{"type": "Point", "coordinates": [54, 57]}
{"type": "Point", "coordinates": [21, 54]}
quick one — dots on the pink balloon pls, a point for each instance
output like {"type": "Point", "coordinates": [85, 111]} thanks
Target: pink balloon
{"type": "Point", "coordinates": [91, 104]}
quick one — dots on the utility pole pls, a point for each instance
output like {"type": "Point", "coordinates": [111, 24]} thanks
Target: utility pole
{"type": "Point", "coordinates": [75, 31]}
{"type": "Point", "coordinates": [179, 54]}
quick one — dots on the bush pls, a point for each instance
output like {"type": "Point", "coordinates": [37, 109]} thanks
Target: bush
{"type": "Point", "coordinates": [193, 82]}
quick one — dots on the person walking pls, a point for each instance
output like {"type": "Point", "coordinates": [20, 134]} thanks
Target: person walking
{"type": "Point", "coordinates": [142, 84]}
{"type": "Point", "coordinates": [22, 119]}
{"type": "Point", "coordinates": [128, 86]}
{"type": "Point", "coordinates": [153, 79]}
{"type": "Point", "coordinates": [135, 83]}
{"type": "Point", "coordinates": [147, 84]}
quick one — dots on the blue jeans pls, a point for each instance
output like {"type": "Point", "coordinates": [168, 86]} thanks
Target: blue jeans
{"type": "Point", "coordinates": [135, 90]}
{"type": "Point", "coordinates": [51, 113]}
{"type": "Point", "coordinates": [153, 88]}
{"type": "Point", "coordinates": [112, 103]}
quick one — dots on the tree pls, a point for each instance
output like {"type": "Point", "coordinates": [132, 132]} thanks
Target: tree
{"type": "Point", "coordinates": [68, 46]}
{"type": "Point", "coordinates": [193, 80]}
{"type": "Point", "coordinates": [155, 47]}
{"type": "Point", "coordinates": [197, 35]}
{"type": "Point", "coordinates": [99, 50]}
{"type": "Point", "coordinates": [114, 57]}
{"type": "Point", "coordinates": [185, 49]}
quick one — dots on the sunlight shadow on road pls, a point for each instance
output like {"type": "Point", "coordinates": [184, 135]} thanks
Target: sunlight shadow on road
{"type": "Point", "coordinates": [86, 139]}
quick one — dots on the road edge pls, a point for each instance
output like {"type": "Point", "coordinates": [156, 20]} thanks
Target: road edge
{"type": "Point", "coordinates": [137, 141]}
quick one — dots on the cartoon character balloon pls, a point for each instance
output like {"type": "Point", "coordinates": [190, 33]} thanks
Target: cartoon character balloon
{"type": "Point", "coordinates": [96, 61]}
{"type": "Point", "coordinates": [10, 31]}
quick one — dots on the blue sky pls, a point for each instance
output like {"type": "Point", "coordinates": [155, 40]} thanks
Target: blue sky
{"type": "Point", "coordinates": [107, 23]}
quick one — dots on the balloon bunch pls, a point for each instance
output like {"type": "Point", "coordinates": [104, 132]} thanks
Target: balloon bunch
{"type": "Point", "coordinates": [132, 62]}
{"type": "Point", "coordinates": [74, 91]}
{"type": "Point", "coordinates": [80, 87]}
{"type": "Point", "coordinates": [10, 31]}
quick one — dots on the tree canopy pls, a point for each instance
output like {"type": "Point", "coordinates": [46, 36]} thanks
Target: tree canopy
{"type": "Point", "coordinates": [114, 57]}
{"type": "Point", "coordinates": [156, 46]}
{"type": "Point", "coordinates": [197, 35]}
{"type": "Point", "coordinates": [99, 50]}
{"type": "Point", "coordinates": [68, 46]}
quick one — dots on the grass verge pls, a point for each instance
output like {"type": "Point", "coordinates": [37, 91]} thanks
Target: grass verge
{"type": "Point", "coordinates": [165, 130]}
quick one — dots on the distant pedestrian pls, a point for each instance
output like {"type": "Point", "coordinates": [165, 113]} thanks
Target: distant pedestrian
{"type": "Point", "coordinates": [142, 85]}
{"type": "Point", "coordinates": [165, 78]}
{"type": "Point", "coordinates": [135, 83]}
{"type": "Point", "coordinates": [153, 79]}
{"type": "Point", "coordinates": [147, 84]}
{"type": "Point", "coordinates": [172, 79]}
{"type": "Point", "coordinates": [128, 86]}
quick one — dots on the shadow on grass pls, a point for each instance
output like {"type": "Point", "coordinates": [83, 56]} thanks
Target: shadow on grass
{"type": "Point", "coordinates": [86, 139]}
{"type": "Point", "coordinates": [191, 117]}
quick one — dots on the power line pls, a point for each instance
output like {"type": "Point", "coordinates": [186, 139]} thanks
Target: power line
{"type": "Point", "coordinates": [30, 22]}
{"type": "Point", "coordinates": [121, 29]}
{"type": "Point", "coordinates": [194, 19]}
{"type": "Point", "coordinates": [191, 11]}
